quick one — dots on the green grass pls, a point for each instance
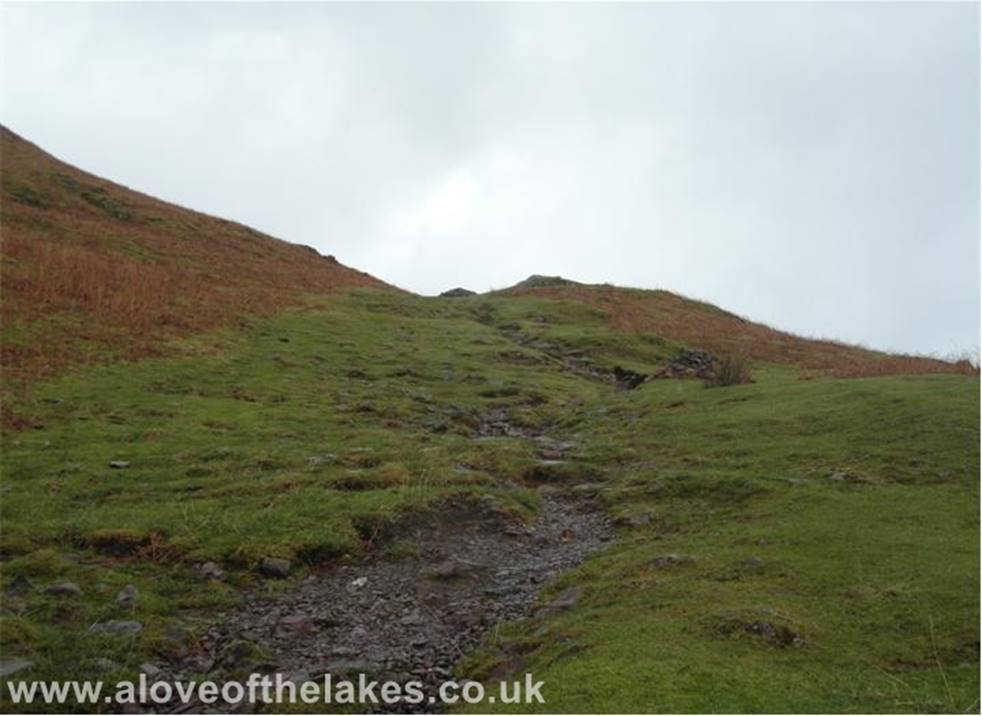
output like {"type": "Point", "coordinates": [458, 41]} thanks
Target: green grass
{"type": "Point", "coordinates": [876, 574]}
{"type": "Point", "coordinates": [299, 436]}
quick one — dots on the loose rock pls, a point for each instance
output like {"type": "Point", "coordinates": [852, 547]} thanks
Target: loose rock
{"type": "Point", "coordinates": [9, 667]}
{"type": "Point", "coordinates": [103, 665]}
{"type": "Point", "coordinates": [275, 567]}
{"type": "Point", "coordinates": [413, 618]}
{"type": "Point", "coordinates": [673, 560]}
{"type": "Point", "coordinates": [118, 627]}
{"type": "Point", "coordinates": [127, 596]}
{"type": "Point", "coordinates": [20, 585]}
{"type": "Point", "coordinates": [563, 602]}
{"type": "Point", "coordinates": [64, 589]}
{"type": "Point", "coordinates": [210, 570]}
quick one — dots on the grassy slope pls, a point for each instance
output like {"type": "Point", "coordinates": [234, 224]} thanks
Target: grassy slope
{"type": "Point", "coordinates": [878, 574]}
{"type": "Point", "coordinates": [704, 325]}
{"type": "Point", "coordinates": [94, 271]}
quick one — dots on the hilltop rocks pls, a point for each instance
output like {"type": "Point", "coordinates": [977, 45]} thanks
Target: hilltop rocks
{"type": "Point", "coordinates": [457, 293]}
{"type": "Point", "coordinates": [537, 281]}
{"type": "Point", "coordinates": [689, 364]}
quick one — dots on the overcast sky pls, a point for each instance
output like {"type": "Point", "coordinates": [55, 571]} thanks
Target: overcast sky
{"type": "Point", "coordinates": [813, 166]}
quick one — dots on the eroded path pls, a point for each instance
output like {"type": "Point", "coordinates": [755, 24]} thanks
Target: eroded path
{"type": "Point", "coordinates": [469, 569]}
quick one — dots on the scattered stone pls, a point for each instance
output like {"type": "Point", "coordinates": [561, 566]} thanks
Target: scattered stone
{"type": "Point", "coordinates": [238, 652]}
{"type": "Point", "coordinates": [117, 627]}
{"type": "Point", "coordinates": [275, 567]}
{"type": "Point", "coordinates": [127, 596]}
{"type": "Point", "coordinates": [775, 634]}
{"type": "Point", "coordinates": [346, 668]}
{"type": "Point", "coordinates": [119, 464]}
{"type": "Point", "coordinates": [325, 459]}
{"type": "Point", "coordinates": [358, 583]}
{"type": "Point", "coordinates": [562, 603]}
{"type": "Point", "coordinates": [103, 665]}
{"type": "Point", "coordinates": [689, 364]}
{"type": "Point", "coordinates": [753, 565]}
{"type": "Point", "coordinates": [587, 489]}
{"type": "Point", "coordinates": [198, 664]}
{"type": "Point", "coordinates": [453, 569]}
{"type": "Point", "coordinates": [412, 618]}
{"type": "Point", "coordinates": [298, 677]}
{"type": "Point", "coordinates": [9, 667]}
{"type": "Point", "coordinates": [295, 623]}
{"type": "Point", "coordinates": [839, 476]}
{"type": "Point", "coordinates": [210, 570]}
{"type": "Point", "coordinates": [635, 521]}
{"type": "Point", "coordinates": [667, 561]}
{"type": "Point", "coordinates": [64, 589]}
{"type": "Point", "coordinates": [177, 633]}
{"type": "Point", "coordinates": [627, 378]}
{"type": "Point", "coordinates": [151, 670]}
{"type": "Point", "coordinates": [20, 585]}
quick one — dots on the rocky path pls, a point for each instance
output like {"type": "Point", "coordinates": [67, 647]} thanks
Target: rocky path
{"type": "Point", "coordinates": [413, 618]}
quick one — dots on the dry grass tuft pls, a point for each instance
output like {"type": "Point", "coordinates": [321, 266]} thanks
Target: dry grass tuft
{"type": "Point", "coordinates": [730, 369]}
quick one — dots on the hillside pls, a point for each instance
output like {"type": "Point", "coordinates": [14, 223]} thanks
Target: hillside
{"type": "Point", "coordinates": [701, 324]}
{"type": "Point", "coordinates": [470, 486]}
{"type": "Point", "coordinates": [93, 270]}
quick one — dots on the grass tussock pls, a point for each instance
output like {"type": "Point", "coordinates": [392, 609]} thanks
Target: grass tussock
{"type": "Point", "coordinates": [730, 369]}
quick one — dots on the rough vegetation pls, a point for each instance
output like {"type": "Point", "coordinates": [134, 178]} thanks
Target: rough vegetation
{"type": "Point", "coordinates": [701, 324]}
{"type": "Point", "coordinates": [95, 271]}
{"type": "Point", "coordinates": [798, 543]}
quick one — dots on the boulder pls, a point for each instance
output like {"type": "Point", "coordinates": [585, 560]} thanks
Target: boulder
{"type": "Point", "coordinates": [9, 667]}
{"type": "Point", "coordinates": [64, 589]}
{"type": "Point", "coordinates": [275, 567]}
{"type": "Point", "coordinates": [127, 596]}
{"type": "Point", "coordinates": [117, 627]}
